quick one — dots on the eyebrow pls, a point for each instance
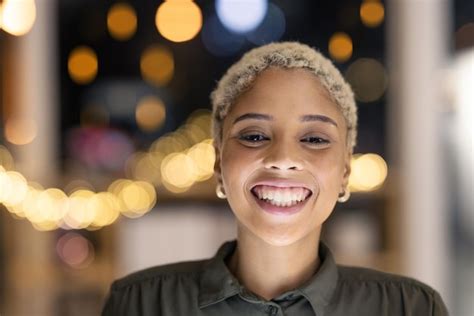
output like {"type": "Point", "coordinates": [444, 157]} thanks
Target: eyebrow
{"type": "Point", "coordinates": [303, 118]}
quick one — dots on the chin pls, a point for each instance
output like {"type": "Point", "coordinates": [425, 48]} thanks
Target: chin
{"type": "Point", "coordinates": [278, 238]}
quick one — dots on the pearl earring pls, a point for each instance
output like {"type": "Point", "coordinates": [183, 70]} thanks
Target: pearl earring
{"type": "Point", "coordinates": [220, 191]}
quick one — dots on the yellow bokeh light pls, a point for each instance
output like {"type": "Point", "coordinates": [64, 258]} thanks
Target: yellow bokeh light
{"type": "Point", "coordinates": [145, 166]}
{"type": "Point", "coordinates": [168, 144]}
{"type": "Point", "coordinates": [13, 188]}
{"type": "Point", "coordinates": [6, 159]}
{"type": "Point", "coordinates": [203, 156]}
{"type": "Point", "coordinates": [194, 133]}
{"type": "Point", "coordinates": [1, 15]}
{"type": "Point", "coordinates": [76, 185]}
{"type": "Point", "coordinates": [368, 172]}
{"type": "Point", "coordinates": [122, 21]}
{"type": "Point", "coordinates": [203, 119]}
{"type": "Point", "coordinates": [139, 197]}
{"type": "Point", "coordinates": [178, 172]}
{"type": "Point", "coordinates": [83, 65]}
{"type": "Point", "coordinates": [18, 16]}
{"type": "Point", "coordinates": [4, 186]}
{"type": "Point", "coordinates": [20, 131]}
{"type": "Point", "coordinates": [79, 214]}
{"type": "Point", "coordinates": [20, 210]}
{"type": "Point", "coordinates": [157, 65]}
{"type": "Point", "coordinates": [372, 13]}
{"type": "Point", "coordinates": [178, 20]}
{"type": "Point", "coordinates": [340, 47]}
{"type": "Point", "coordinates": [106, 208]}
{"type": "Point", "coordinates": [45, 225]}
{"type": "Point", "coordinates": [117, 186]}
{"type": "Point", "coordinates": [53, 204]}
{"type": "Point", "coordinates": [150, 113]}
{"type": "Point", "coordinates": [181, 140]}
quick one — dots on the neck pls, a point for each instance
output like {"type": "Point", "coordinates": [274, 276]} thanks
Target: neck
{"type": "Point", "coordinates": [268, 270]}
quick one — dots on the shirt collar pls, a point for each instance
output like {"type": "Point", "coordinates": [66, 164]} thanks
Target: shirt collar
{"type": "Point", "coordinates": [321, 287]}
{"type": "Point", "coordinates": [217, 283]}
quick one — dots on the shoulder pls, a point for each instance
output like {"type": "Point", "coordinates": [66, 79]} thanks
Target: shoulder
{"type": "Point", "coordinates": [182, 271]}
{"type": "Point", "coordinates": [365, 275]}
{"type": "Point", "coordinates": [156, 289]}
{"type": "Point", "coordinates": [400, 292]}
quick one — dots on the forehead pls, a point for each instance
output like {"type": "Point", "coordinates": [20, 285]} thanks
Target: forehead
{"type": "Point", "coordinates": [286, 92]}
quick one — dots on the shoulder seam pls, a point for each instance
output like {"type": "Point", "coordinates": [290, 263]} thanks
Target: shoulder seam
{"type": "Point", "coordinates": [398, 282]}
{"type": "Point", "coordinates": [124, 283]}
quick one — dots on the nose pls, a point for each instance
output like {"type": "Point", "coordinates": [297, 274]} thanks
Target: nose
{"type": "Point", "coordinates": [283, 157]}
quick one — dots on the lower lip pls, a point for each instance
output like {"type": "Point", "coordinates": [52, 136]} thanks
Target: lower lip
{"type": "Point", "coordinates": [280, 210]}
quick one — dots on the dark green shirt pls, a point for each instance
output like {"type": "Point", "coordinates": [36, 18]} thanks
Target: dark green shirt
{"type": "Point", "coordinates": [207, 287]}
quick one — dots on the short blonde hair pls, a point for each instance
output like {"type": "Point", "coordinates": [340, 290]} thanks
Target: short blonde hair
{"type": "Point", "coordinates": [240, 76]}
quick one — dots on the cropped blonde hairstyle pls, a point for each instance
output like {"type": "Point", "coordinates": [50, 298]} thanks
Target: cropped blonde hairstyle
{"type": "Point", "coordinates": [240, 76]}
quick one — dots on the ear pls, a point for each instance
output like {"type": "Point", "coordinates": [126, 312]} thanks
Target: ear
{"type": "Point", "coordinates": [217, 164]}
{"type": "Point", "coordinates": [347, 169]}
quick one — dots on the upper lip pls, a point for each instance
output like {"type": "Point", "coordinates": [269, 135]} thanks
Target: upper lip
{"type": "Point", "coordinates": [281, 183]}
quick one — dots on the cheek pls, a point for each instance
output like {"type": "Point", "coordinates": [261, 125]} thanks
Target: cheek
{"type": "Point", "coordinates": [235, 164]}
{"type": "Point", "coordinates": [329, 171]}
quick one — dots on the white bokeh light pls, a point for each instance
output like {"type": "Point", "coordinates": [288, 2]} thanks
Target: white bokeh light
{"type": "Point", "coordinates": [241, 16]}
{"type": "Point", "coordinates": [218, 40]}
{"type": "Point", "coordinates": [272, 27]}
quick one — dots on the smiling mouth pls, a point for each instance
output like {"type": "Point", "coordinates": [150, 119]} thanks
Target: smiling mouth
{"type": "Point", "coordinates": [281, 197]}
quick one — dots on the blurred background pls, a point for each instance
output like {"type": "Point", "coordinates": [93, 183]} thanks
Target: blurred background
{"type": "Point", "coordinates": [106, 162]}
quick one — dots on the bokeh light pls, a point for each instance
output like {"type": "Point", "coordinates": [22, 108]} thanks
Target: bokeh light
{"type": "Point", "coordinates": [13, 188]}
{"type": "Point", "coordinates": [145, 167]}
{"type": "Point", "coordinates": [78, 184]}
{"type": "Point", "coordinates": [157, 65]}
{"type": "Point", "coordinates": [272, 27]}
{"type": "Point", "coordinates": [121, 21]}
{"type": "Point", "coordinates": [372, 13]}
{"type": "Point", "coordinates": [218, 40]}
{"type": "Point", "coordinates": [20, 130]}
{"type": "Point", "coordinates": [368, 172]}
{"type": "Point", "coordinates": [176, 160]}
{"type": "Point", "coordinates": [75, 250]}
{"type": "Point", "coordinates": [79, 214]}
{"type": "Point", "coordinates": [105, 208]}
{"type": "Point", "coordinates": [138, 197]}
{"type": "Point", "coordinates": [203, 156]}
{"type": "Point", "coordinates": [6, 159]}
{"type": "Point", "coordinates": [178, 172]}
{"type": "Point", "coordinates": [150, 113]}
{"type": "Point", "coordinates": [241, 16]}
{"type": "Point", "coordinates": [368, 79]}
{"type": "Point", "coordinates": [17, 17]}
{"type": "Point", "coordinates": [83, 65]}
{"type": "Point", "coordinates": [340, 47]}
{"type": "Point", "coordinates": [178, 20]}
{"type": "Point", "coordinates": [1, 15]}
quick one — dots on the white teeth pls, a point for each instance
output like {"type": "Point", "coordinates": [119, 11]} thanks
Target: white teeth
{"type": "Point", "coordinates": [282, 197]}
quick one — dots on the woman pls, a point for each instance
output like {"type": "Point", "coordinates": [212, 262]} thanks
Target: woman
{"type": "Point", "coordinates": [284, 127]}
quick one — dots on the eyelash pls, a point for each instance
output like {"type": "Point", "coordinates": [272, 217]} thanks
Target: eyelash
{"type": "Point", "coordinates": [248, 136]}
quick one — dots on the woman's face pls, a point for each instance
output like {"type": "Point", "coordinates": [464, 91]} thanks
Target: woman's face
{"type": "Point", "coordinates": [284, 140]}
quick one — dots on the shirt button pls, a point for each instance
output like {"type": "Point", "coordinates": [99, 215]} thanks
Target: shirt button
{"type": "Point", "coordinates": [272, 310]}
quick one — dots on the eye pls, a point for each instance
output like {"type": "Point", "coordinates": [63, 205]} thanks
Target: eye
{"type": "Point", "coordinates": [316, 140]}
{"type": "Point", "coordinates": [253, 138]}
